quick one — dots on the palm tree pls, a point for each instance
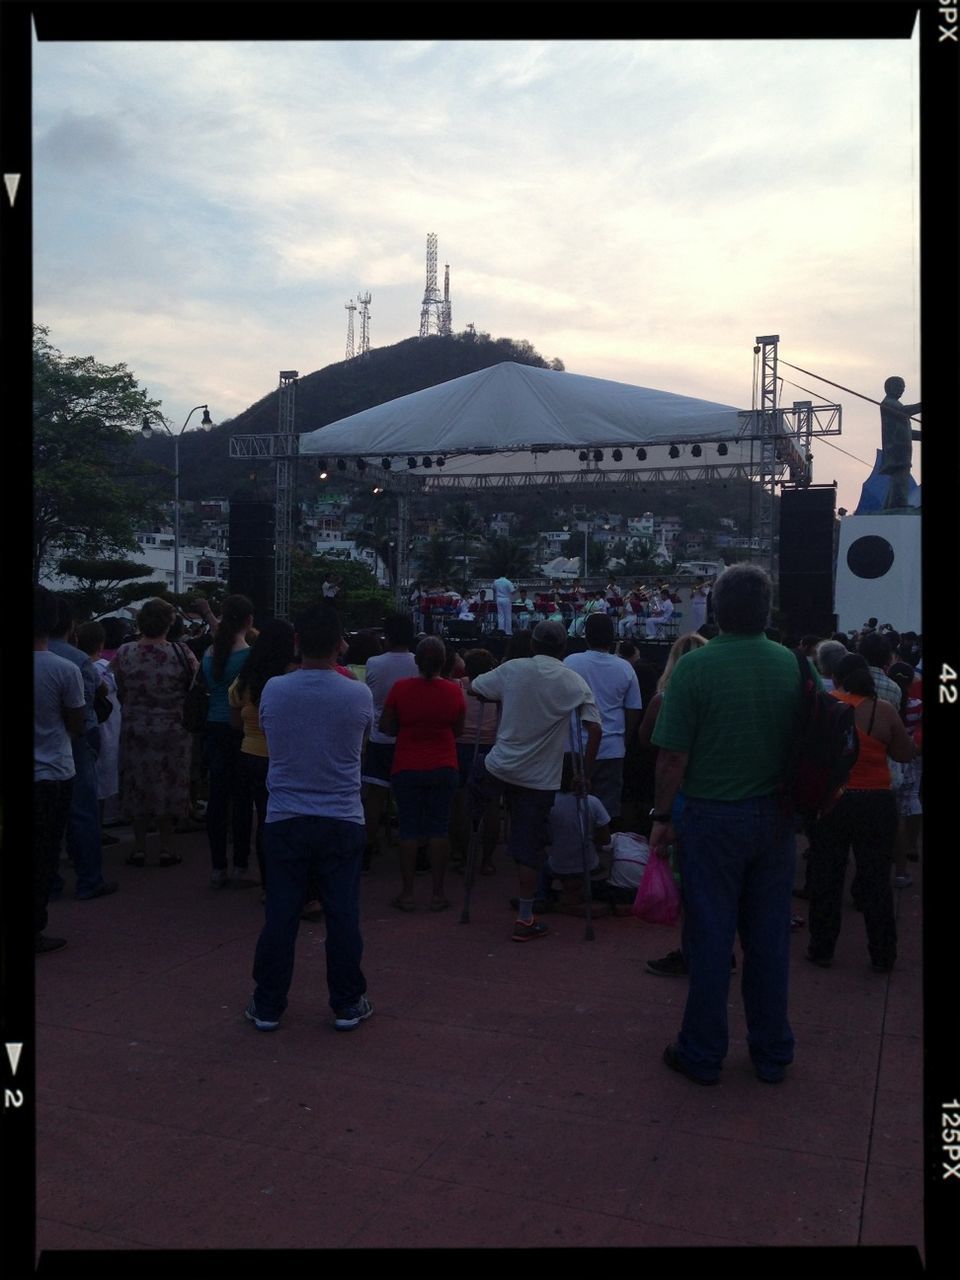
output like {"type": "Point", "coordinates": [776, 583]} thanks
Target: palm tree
{"type": "Point", "coordinates": [507, 556]}
{"type": "Point", "coordinates": [463, 521]}
{"type": "Point", "coordinates": [436, 559]}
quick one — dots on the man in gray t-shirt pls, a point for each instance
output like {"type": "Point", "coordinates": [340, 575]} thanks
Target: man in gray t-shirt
{"type": "Point", "coordinates": [315, 721]}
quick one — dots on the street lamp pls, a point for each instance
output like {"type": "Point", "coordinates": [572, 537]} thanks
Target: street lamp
{"type": "Point", "coordinates": [146, 430]}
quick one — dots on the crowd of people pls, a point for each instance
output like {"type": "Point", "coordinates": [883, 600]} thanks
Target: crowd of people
{"type": "Point", "coordinates": [319, 752]}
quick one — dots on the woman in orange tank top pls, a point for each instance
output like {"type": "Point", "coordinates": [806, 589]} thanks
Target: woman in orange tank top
{"type": "Point", "coordinates": [864, 820]}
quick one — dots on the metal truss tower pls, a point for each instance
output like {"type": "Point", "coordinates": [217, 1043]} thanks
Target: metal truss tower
{"type": "Point", "coordinates": [431, 307]}
{"type": "Point", "coordinates": [364, 299]}
{"type": "Point", "coordinates": [350, 307]}
{"type": "Point", "coordinates": [287, 450]}
{"type": "Point", "coordinates": [446, 326]}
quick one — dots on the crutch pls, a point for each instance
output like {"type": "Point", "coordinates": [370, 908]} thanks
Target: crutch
{"type": "Point", "coordinates": [475, 820]}
{"type": "Point", "coordinates": [583, 813]}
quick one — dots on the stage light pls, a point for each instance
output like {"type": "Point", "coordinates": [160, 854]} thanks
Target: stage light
{"type": "Point", "coordinates": [323, 475]}
{"type": "Point", "coordinates": [617, 455]}
{"type": "Point", "coordinates": [696, 451]}
{"type": "Point", "coordinates": [386, 464]}
{"type": "Point", "coordinates": [598, 455]}
{"type": "Point", "coordinates": [722, 450]}
{"type": "Point", "coordinates": [583, 455]}
{"type": "Point", "coordinates": [378, 489]}
{"type": "Point", "coordinates": [361, 464]}
{"type": "Point", "coordinates": [674, 451]}
{"type": "Point", "coordinates": [428, 462]}
{"type": "Point", "coordinates": [341, 465]}
{"type": "Point", "coordinates": [641, 455]}
{"type": "Point", "coordinates": [411, 463]}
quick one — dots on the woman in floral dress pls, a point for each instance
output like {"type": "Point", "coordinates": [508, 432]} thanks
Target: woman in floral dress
{"type": "Point", "coordinates": [152, 677]}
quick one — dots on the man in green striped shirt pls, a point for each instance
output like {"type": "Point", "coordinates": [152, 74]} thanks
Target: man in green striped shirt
{"type": "Point", "coordinates": [724, 732]}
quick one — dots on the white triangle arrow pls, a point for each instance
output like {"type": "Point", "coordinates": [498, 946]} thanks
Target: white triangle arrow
{"type": "Point", "coordinates": [13, 1053]}
{"type": "Point", "coordinates": [11, 181]}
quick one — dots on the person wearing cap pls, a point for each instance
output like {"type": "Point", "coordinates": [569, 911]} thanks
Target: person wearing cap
{"type": "Point", "coordinates": [537, 697]}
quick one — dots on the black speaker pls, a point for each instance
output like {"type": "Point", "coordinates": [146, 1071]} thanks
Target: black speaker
{"type": "Point", "coordinates": [251, 533]}
{"type": "Point", "coordinates": [807, 523]}
{"type": "Point", "coordinates": [807, 531]}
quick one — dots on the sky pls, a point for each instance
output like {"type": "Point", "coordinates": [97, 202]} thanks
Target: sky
{"type": "Point", "coordinates": [641, 210]}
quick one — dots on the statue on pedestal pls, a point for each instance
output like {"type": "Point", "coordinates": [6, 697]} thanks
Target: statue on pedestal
{"type": "Point", "coordinates": [896, 437]}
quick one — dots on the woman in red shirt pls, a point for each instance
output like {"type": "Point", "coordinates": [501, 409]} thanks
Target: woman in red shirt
{"type": "Point", "coordinates": [426, 714]}
{"type": "Point", "coordinates": [864, 819]}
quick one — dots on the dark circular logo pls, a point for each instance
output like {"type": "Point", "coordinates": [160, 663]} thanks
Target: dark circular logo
{"type": "Point", "coordinates": [870, 557]}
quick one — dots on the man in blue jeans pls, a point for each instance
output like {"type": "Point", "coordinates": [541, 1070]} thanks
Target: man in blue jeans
{"type": "Point", "coordinates": [84, 845]}
{"type": "Point", "coordinates": [315, 721]}
{"type": "Point", "coordinates": [724, 735]}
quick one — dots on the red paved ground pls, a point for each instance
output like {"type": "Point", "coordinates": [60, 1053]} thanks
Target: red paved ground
{"type": "Point", "coordinates": [502, 1095]}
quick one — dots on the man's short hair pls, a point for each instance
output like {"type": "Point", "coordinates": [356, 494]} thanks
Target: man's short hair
{"type": "Point", "coordinates": [398, 630]}
{"type": "Point", "coordinates": [155, 617]}
{"type": "Point", "coordinates": [90, 637]}
{"type": "Point", "coordinates": [876, 648]}
{"type": "Point", "coordinates": [741, 599]}
{"type": "Point", "coordinates": [550, 638]}
{"type": "Point", "coordinates": [319, 631]}
{"type": "Point", "coordinates": [598, 631]}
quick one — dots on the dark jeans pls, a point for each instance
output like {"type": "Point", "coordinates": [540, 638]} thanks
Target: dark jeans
{"type": "Point", "coordinates": [230, 802]}
{"type": "Point", "coordinates": [84, 848]}
{"type": "Point", "coordinates": [737, 865]}
{"type": "Point", "coordinates": [51, 807]}
{"type": "Point", "coordinates": [256, 770]}
{"type": "Point", "coordinates": [295, 850]}
{"type": "Point", "coordinates": [865, 821]}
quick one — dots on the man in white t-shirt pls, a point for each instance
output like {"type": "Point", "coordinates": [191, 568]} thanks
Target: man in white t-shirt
{"type": "Point", "coordinates": [503, 590]}
{"type": "Point", "coordinates": [661, 611]}
{"type": "Point", "coordinates": [382, 672]}
{"type": "Point", "coordinates": [617, 692]}
{"type": "Point", "coordinates": [537, 696]}
{"type": "Point", "coordinates": [58, 717]}
{"type": "Point", "coordinates": [315, 724]}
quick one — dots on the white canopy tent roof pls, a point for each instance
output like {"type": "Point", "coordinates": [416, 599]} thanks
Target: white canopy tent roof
{"type": "Point", "coordinates": [511, 407]}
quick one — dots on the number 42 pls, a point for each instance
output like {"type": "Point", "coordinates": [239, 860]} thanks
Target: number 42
{"type": "Point", "coordinates": [948, 687]}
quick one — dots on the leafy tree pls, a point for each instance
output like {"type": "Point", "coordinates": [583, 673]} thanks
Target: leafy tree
{"type": "Point", "coordinates": [468, 527]}
{"type": "Point", "coordinates": [105, 585]}
{"type": "Point", "coordinates": [362, 602]}
{"type": "Point", "coordinates": [84, 502]}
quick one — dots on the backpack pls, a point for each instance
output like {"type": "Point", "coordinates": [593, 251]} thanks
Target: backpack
{"type": "Point", "coordinates": [823, 750]}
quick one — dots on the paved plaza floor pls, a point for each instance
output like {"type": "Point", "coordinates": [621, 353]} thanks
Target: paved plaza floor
{"type": "Point", "coordinates": [502, 1095]}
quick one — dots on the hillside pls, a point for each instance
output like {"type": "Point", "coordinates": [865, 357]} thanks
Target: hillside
{"type": "Point", "coordinates": [385, 373]}
{"type": "Point", "coordinates": [327, 395]}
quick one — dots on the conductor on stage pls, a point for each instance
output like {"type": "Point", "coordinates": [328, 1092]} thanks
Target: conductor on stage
{"type": "Point", "coordinates": [896, 437]}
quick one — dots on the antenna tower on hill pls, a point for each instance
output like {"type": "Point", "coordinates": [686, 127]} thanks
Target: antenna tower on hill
{"type": "Point", "coordinates": [445, 317]}
{"type": "Point", "coordinates": [364, 300]}
{"type": "Point", "coordinates": [350, 307]}
{"type": "Point", "coordinates": [431, 317]}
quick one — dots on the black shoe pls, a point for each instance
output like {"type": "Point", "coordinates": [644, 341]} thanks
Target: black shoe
{"type": "Point", "coordinates": [824, 962]}
{"type": "Point", "coordinates": [101, 891]}
{"type": "Point", "coordinates": [673, 1060]}
{"type": "Point", "coordinates": [42, 943]}
{"type": "Point", "coordinates": [672, 965]}
{"type": "Point", "coordinates": [770, 1075]}
{"type": "Point", "coordinates": [107, 839]}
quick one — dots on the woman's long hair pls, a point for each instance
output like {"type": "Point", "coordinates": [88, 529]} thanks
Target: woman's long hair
{"type": "Point", "coordinates": [683, 644]}
{"type": "Point", "coordinates": [853, 675]}
{"type": "Point", "coordinates": [271, 655]}
{"type": "Point", "coordinates": [236, 611]}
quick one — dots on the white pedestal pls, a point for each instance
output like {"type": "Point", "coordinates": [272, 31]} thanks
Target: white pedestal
{"type": "Point", "coordinates": [878, 572]}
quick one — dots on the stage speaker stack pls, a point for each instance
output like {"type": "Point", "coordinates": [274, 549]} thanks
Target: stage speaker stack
{"type": "Point", "coordinates": [252, 554]}
{"type": "Point", "coordinates": [807, 524]}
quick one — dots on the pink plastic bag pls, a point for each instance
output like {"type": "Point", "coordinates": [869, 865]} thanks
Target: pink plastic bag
{"type": "Point", "coordinates": [658, 898]}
